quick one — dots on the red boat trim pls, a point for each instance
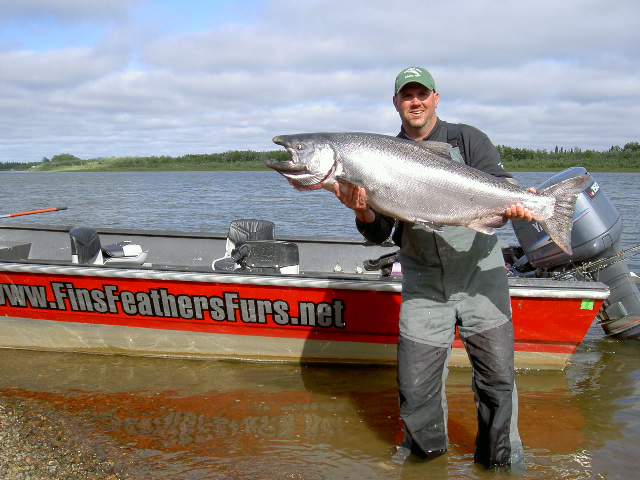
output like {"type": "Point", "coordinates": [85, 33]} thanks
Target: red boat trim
{"type": "Point", "coordinates": [229, 315]}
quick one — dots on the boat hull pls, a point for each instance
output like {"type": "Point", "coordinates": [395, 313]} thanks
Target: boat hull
{"type": "Point", "coordinates": [301, 318]}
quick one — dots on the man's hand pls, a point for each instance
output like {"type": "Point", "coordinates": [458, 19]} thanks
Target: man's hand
{"type": "Point", "coordinates": [518, 212]}
{"type": "Point", "coordinates": [355, 198]}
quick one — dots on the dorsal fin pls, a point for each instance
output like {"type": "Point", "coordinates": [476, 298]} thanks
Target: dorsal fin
{"type": "Point", "coordinates": [440, 148]}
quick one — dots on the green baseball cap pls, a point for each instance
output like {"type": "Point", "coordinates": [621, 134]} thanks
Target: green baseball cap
{"type": "Point", "coordinates": [415, 75]}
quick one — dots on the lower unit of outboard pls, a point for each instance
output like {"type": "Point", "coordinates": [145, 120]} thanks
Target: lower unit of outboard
{"type": "Point", "coordinates": [596, 254]}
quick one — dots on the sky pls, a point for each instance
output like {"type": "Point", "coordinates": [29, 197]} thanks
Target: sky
{"type": "Point", "coordinates": [116, 78]}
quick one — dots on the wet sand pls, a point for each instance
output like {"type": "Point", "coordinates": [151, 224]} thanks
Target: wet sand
{"type": "Point", "coordinates": [37, 442]}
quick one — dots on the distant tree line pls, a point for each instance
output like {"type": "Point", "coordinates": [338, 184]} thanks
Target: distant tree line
{"type": "Point", "coordinates": [232, 160]}
{"type": "Point", "coordinates": [617, 158]}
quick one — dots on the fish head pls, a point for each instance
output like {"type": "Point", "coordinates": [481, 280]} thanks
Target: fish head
{"type": "Point", "coordinates": [313, 160]}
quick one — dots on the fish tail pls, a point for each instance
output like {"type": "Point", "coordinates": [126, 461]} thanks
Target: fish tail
{"type": "Point", "coordinates": [558, 225]}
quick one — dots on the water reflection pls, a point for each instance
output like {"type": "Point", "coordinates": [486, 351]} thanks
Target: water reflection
{"type": "Point", "coordinates": [605, 379]}
{"type": "Point", "coordinates": [211, 419]}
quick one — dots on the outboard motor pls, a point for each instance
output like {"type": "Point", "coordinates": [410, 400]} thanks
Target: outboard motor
{"type": "Point", "coordinates": [596, 233]}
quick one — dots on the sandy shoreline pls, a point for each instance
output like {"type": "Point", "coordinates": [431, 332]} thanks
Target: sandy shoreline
{"type": "Point", "coordinates": [39, 443]}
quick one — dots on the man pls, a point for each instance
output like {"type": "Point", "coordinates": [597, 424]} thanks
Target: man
{"type": "Point", "coordinates": [451, 279]}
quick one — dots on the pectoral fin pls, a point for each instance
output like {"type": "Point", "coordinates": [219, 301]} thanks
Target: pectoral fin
{"type": "Point", "coordinates": [436, 227]}
{"type": "Point", "coordinates": [487, 225]}
{"type": "Point", "coordinates": [353, 181]}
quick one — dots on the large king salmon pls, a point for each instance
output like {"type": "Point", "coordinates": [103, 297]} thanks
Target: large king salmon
{"type": "Point", "coordinates": [419, 182]}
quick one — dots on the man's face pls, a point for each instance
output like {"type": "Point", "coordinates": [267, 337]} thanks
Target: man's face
{"type": "Point", "coordinates": [416, 105]}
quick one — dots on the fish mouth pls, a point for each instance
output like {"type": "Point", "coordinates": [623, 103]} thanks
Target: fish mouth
{"type": "Point", "coordinates": [289, 166]}
{"type": "Point", "coordinates": [286, 166]}
{"type": "Point", "coordinates": [278, 140]}
{"type": "Point", "coordinates": [298, 175]}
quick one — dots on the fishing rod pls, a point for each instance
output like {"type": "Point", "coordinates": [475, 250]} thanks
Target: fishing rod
{"type": "Point", "coordinates": [7, 215]}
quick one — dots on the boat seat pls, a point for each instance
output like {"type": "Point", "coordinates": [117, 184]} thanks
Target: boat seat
{"type": "Point", "coordinates": [86, 249]}
{"type": "Point", "coordinates": [246, 230]}
{"type": "Point", "coordinates": [242, 231]}
{"type": "Point", "coordinates": [269, 256]}
{"type": "Point", "coordinates": [251, 245]}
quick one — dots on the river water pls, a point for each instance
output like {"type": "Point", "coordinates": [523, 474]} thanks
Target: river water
{"type": "Point", "coordinates": [204, 419]}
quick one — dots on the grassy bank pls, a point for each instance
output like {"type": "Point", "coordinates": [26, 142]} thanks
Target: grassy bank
{"type": "Point", "coordinates": [616, 159]}
{"type": "Point", "coordinates": [235, 160]}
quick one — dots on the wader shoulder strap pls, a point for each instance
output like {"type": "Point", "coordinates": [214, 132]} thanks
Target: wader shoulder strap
{"type": "Point", "coordinates": [457, 150]}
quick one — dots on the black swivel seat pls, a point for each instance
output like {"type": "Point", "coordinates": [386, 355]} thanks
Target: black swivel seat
{"type": "Point", "coordinates": [86, 249]}
{"type": "Point", "coordinates": [251, 246]}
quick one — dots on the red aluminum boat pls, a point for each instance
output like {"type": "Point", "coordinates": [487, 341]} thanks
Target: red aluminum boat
{"type": "Point", "coordinates": [265, 298]}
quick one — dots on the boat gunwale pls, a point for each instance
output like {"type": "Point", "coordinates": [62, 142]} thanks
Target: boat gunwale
{"type": "Point", "coordinates": [526, 287]}
{"type": "Point", "coordinates": [518, 287]}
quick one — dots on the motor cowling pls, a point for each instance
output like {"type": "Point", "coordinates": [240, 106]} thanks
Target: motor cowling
{"type": "Point", "coordinates": [597, 226]}
{"type": "Point", "coordinates": [595, 235]}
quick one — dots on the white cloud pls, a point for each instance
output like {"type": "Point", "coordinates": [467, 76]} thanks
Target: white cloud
{"type": "Point", "coordinates": [58, 68]}
{"type": "Point", "coordinates": [530, 75]}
